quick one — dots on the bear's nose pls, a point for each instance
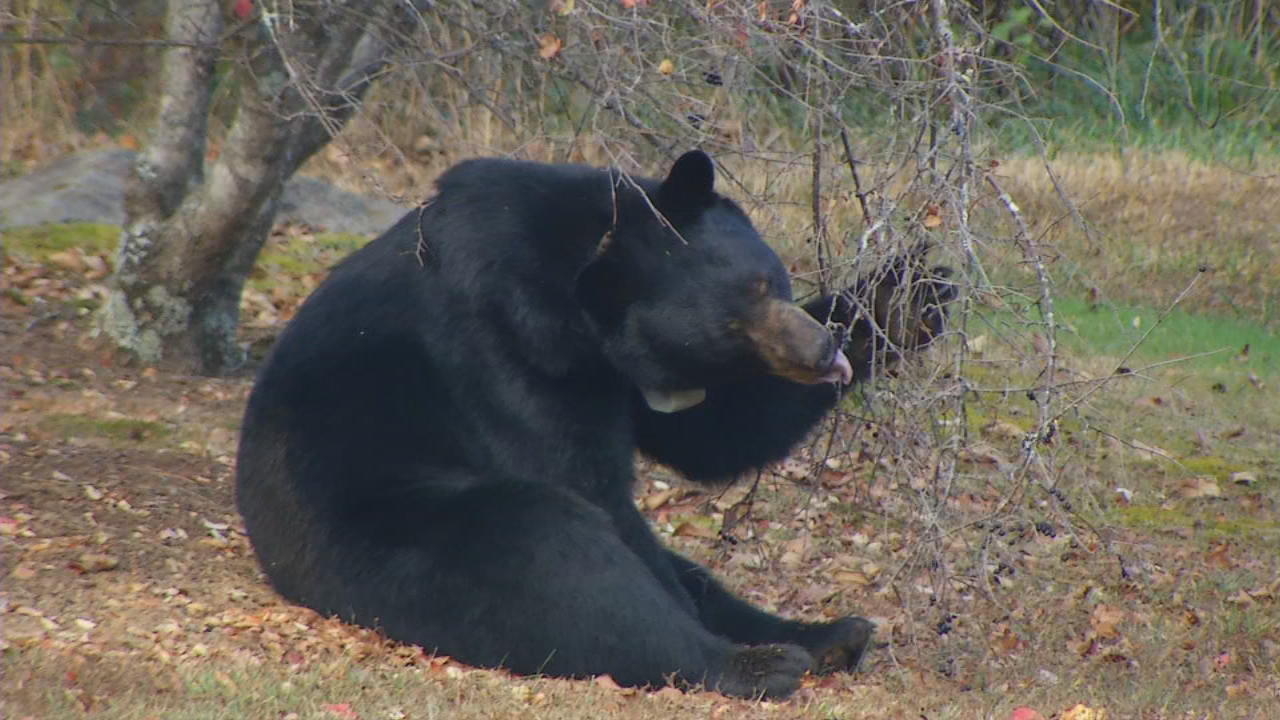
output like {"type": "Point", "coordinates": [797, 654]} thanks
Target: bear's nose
{"type": "Point", "coordinates": [795, 346]}
{"type": "Point", "coordinates": [841, 370]}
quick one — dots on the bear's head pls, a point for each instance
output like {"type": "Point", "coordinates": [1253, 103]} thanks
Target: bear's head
{"type": "Point", "coordinates": [684, 294]}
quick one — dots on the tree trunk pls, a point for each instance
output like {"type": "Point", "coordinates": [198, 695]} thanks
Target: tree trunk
{"type": "Point", "coordinates": [191, 237]}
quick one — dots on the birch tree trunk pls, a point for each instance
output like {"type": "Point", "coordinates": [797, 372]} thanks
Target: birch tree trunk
{"type": "Point", "coordinates": [192, 233]}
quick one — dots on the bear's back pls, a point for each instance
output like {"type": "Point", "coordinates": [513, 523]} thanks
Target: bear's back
{"type": "Point", "coordinates": [414, 343]}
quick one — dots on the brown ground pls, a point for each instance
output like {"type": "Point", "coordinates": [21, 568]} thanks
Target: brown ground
{"type": "Point", "coordinates": [125, 563]}
{"type": "Point", "coordinates": [129, 589]}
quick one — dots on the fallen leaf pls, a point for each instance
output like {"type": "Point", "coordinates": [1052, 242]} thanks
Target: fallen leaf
{"type": "Point", "coordinates": [669, 692]}
{"type": "Point", "coordinates": [98, 267]}
{"type": "Point", "coordinates": [1244, 477]}
{"type": "Point", "coordinates": [688, 529]}
{"type": "Point", "coordinates": [1025, 713]}
{"type": "Point", "coordinates": [933, 218]}
{"type": "Point", "coordinates": [1219, 556]}
{"type": "Point", "coordinates": [793, 468]}
{"type": "Point", "coordinates": [606, 681]}
{"type": "Point", "coordinates": [1005, 640]}
{"type": "Point", "coordinates": [1002, 429]}
{"type": "Point", "coordinates": [94, 562]}
{"type": "Point", "coordinates": [1084, 712]}
{"type": "Point", "coordinates": [851, 577]}
{"type": "Point", "coordinates": [721, 711]}
{"type": "Point", "coordinates": [653, 501]}
{"type": "Point", "coordinates": [342, 710]}
{"type": "Point", "coordinates": [982, 454]}
{"type": "Point", "coordinates": [1105, 620]}
{"type": "Point", "coordinates": [72, 259]}
{"type": "Point", "coordinates": [1200, 486]}
{"type": "Point", "coordinates": [549, 46]}
{"type": "Point", "coordinates": [1242, 598]}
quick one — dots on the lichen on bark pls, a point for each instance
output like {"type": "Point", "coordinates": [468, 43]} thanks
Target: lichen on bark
{"type": "Point", "coordinates": [142, 325]}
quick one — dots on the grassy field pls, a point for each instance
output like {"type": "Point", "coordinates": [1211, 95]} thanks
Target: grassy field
{"type": "Point", "coordinates": [1130, 565]}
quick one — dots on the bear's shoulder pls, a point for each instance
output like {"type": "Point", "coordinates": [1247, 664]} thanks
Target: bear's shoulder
{"type": "Point", "coordinates": [482, 180]}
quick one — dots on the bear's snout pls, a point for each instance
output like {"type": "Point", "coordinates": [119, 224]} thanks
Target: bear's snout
{"type": "Point", "coordinates": [797, 347]}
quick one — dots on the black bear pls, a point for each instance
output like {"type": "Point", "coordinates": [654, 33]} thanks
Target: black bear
{"type": "Point", "coordinates": [440, 444]}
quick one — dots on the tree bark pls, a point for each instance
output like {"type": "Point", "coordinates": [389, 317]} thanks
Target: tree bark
{"type": "Point", "coordinates": [191, 235]}
{"type": "Point", "coordinates": [140, 313]}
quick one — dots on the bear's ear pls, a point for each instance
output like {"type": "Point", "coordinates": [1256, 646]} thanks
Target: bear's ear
{"type": "Point", "coordinates": [691, 183]}
{"type": "Point", "coordinates": [601, 291]}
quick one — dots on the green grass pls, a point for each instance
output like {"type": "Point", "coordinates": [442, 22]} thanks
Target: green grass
{"type": "Point", "coordinates": [41, 241]}
{"type": "Point", "coordinates": [288, 259]}
{"type": "Point", "coordinates": [1113, 330]}
{"type": "Point", "coordinates": [1153, 517]}
{"type": "Point", "coordinates": [115, 430]}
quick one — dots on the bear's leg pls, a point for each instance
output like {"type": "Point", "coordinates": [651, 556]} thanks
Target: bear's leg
{"type": "Point", "coordinates": [535, 579]}
{"type": "Point", "coordinates": [837, 645]}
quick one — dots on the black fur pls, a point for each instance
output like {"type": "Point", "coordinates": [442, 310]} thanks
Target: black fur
{"type": "Point", "coordinates": [441, 442]}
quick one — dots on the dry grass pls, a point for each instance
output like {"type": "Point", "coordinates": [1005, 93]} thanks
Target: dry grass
{"type": "Point", "coordinates": [1156, 219]}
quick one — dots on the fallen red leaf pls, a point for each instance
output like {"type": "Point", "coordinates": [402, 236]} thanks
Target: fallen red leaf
{"type": "Point", "coordinates": [607, 681]}
{"type": "Point", "coordinates": [342, 710]}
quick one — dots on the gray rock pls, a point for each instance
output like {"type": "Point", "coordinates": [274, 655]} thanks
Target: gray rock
{"type": "Point", "coordinates": [79, 188]}
{"type": "Point", "coordinates": [89, 187]}
{"type": "Point", "coordinates": [316, 203]}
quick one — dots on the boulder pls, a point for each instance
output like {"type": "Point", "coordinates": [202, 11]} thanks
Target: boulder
{"type": "Point", "coordinates": [89, 187]}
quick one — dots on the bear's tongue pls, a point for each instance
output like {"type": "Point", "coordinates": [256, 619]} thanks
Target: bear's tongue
{"type": "Point", "coordinates": [841, 371]}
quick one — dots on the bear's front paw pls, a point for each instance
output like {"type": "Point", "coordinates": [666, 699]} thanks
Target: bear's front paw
{"type": "Point", "coordinates": [842, 644]}
{"type": "Point", "coordinates": [771, 671]}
